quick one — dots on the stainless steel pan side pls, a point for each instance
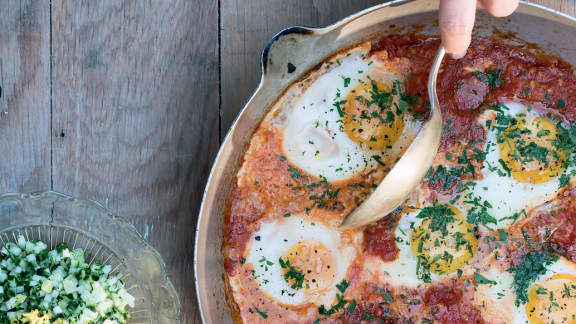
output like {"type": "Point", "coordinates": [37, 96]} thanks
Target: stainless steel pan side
{"type": "Point", "coordinates": [303, 48]}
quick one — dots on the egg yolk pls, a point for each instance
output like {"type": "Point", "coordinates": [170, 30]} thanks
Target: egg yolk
{"type": "Point", "coordinates": [554, 301]}
{"type": "Point", "coordinates": [371, 117]}
{"type": "Point", "coordinates": [445, 251]}
{"type": "Point", "coordinates": [527, 148]}
{"type": "Point", "coordinates": [311, 261]}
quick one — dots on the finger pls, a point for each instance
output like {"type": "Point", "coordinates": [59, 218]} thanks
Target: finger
{"type": "Point", "coordinates": [500, 8]}
{"type": "Point", "coordinates": [456, 19]}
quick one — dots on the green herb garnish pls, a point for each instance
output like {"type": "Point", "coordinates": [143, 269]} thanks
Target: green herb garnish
{"type": "Point", "coordinates": [293, 276]}
{"type": "Point", "coordinates": [490, 77]}
{"type": "Point", "coordinates": [533, 266]}
{"type": "Point", "coordinates": [439, 215]}
{"type": "Point", "coordinates": [261, 313]}
{"type": "Point", "coordinates": [481, 280]}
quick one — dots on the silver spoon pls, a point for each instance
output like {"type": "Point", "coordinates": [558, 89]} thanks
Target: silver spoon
{"type": "Point", "coordinates": [409, 171]}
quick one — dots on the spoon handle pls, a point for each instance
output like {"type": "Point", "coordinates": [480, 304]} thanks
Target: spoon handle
{"type": "Point", "coordinates": [433, 76]}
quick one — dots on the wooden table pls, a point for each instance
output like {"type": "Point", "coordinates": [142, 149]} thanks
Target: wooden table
{"type": "Point", "coordinates": [126, 102]}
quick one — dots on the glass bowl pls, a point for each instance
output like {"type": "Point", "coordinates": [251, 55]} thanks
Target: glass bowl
{"type": "Point", "coordinates": [105, 238]}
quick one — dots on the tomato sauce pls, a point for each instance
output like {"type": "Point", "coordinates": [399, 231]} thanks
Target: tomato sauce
{"type": "Point", "coordinates": [447, 304]}
{"type": "Point", "coordinates": [555, 224]}
{"type": "Point", "coordinates": [270, 187]}
{"type": "Point", "coordinates": [489, 74]}
{"type": "Point", "coordinates": [379, 238]}
{"type": "Point", "coordinates": [545, 80]}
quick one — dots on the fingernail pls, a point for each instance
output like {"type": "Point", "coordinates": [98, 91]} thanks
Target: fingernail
{"type": "Point", "coordinates": [458, 56]}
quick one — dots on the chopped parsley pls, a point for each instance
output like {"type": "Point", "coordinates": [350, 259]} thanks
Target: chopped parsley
{"type": "Point", "coordinates": [448, 177]}
{"type": "Point", "coordinates": [533, 266]}
{"type": "Point", "coordinates": [514, 216]}
{"type": "Point", "coordinates": [525, 92]}
{"type": "Point", "coordinates": [352, 306]}
{"type": "Point", "coordinates": [564, 180]}
{"type": "Point", "coordinates": [531, 152]}
{"type": "Point", "coordinates": [325, 197]}
{"type": "Point", "coordinates": [481, 280]}
{"type": "Point", "coordinates": [338, 104]}
{"type": "Point", "coordinates": [505, 167]}
{"type": "Point", "coordinates": [542, 133]}
{"type": "Point", "coordinates": [387, 297]}
{"type": "Point", "coordinates": [261, 313]}
{"type": "Point", "coordinates": [334, 308]}
{"type": "Point", "coordinates": [541, 291]}
{"type": "Point", "coordinates": [346, 82]}
{"type": "Point", "coordinates": [367, 316]}
{"type": "Point", "coordinates": [478, 213]}
{"type": "Point", "coordinates": [439, 215]}
{"type": "Point", "coordinates": [503, 235]}
{"type": "Point", "coordinates": [265, 262]}
{"type": "Point", "coordinates": [566, 141]}
{"type": "Point", "coordinates": [293, 276]}
{"type": "Point", "coordinates": [294, 173]}
{"type": "Point", "coordinates": [342, 286]}
{"type": "Point", "coordinates": [490, 77]}
{"type": "Point", "coordinates": [378, 159]}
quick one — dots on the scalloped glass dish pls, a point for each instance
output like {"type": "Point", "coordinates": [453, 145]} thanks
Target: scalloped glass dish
{"type": "Point", "coordinates": [108, 239]}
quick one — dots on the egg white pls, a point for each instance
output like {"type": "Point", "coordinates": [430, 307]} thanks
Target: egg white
{"type": "Point", "coordinates": [274, 240]}
{"type": "Point", "coordinates": [403, 270]}
{"type": "Point", "coordinates": [497, 301]}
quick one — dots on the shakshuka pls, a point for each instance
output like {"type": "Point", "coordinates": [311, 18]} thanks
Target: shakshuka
{"type": "Point", "coordinates": [489, 236]}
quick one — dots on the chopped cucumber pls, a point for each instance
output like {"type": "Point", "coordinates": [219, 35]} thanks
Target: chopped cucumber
{"type": "Point", "coordinates": [58, 286]}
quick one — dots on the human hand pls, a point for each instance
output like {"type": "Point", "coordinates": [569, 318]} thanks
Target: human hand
{"type": "Point", "coordinates": [456, 21]}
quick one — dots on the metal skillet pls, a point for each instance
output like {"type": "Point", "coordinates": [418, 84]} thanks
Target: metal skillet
{"type": "Point", "coordinates": [304, 48]}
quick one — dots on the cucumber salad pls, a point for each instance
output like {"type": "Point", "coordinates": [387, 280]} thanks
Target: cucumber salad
{"type": "Point", "coordinates": [39, 286]}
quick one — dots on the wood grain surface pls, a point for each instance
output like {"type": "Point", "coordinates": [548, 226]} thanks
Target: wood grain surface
{"type": "Point", "coordinates": [25, 95]}
{"type": "Point", "coordinates": [135, 116]}
{"type": "Point", "coordinates": [125, 102]}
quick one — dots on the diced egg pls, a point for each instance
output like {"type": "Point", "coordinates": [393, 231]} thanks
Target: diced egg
{"type": "Point", "coordinates": [296, 261]}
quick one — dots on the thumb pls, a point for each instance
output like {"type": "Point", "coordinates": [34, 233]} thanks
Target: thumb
{"type": "Point", "coordinates": [456, 21]}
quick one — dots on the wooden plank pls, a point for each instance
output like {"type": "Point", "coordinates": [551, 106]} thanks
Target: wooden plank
{"type": "Point", "coordinates": [25, 96]}
{"type": "Point", "coordinates": [135, 107]}
{"type": "Point", "coordinates": [246, 27]}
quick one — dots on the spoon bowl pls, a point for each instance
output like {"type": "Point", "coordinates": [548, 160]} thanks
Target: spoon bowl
{"type": "Point", "coordinates": [409, 171]}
